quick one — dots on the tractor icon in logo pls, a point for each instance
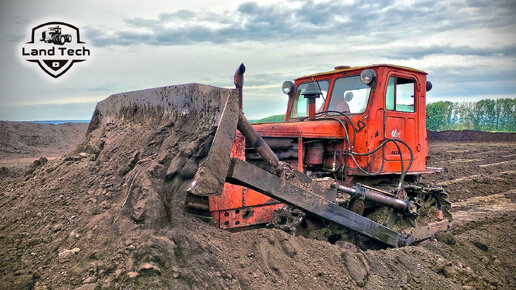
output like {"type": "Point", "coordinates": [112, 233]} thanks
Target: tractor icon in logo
{"type": "Point", "coordinates": [55, 46]}
{"type": "Point", "coordinates": [53, 35]}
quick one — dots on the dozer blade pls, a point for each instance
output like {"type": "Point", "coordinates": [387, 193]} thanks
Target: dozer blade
{"type": "Point", "coordinates": [211, 175]}
{"type": "Point", "coordinates": [196, 102]}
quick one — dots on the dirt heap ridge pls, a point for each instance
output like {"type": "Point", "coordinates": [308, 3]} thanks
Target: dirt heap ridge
{"type": "Point", "coordinates": [30, 139]}
{"type": "Point", "coordinates": [111, 215]}
{"type": "Point", "coordinates": [470, 136]}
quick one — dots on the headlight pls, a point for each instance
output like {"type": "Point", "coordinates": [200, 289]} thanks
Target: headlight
{"type": "Point", "coordinates": [367, 76]}
{"type": "Point", "coordinates": [287, 87]}
{"type": "Point", "coordinates": [428, 86]}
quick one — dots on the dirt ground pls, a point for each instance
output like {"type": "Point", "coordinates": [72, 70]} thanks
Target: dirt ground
{"type": "Point", "coordinates": [22, 142]}
{"type": "Point", "coordinates": [110, 214]}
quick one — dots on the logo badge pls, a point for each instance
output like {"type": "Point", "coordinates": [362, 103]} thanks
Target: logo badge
{"type": "Point", "coordinates": [395, 133]}
{"type": "Point", "coordinates": [55, 47]}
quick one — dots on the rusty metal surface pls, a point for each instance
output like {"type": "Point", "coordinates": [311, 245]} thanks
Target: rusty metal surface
{"type": "Point", "coordinates": [210, 178]}
{"type": "Point", "coordinates": [239, 83]}
{"type": "Point", "coordinates": [239, 206]}
{"type": "Point", "coordinates": [425, 232]}
{"type": "Point", "coordinates": [245, 174]}
{"type": "Point", "coordinates": [245, 216]}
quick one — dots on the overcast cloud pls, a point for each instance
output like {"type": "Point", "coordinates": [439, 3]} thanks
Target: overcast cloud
{"type": "Point", "coordinates": [467, 47]}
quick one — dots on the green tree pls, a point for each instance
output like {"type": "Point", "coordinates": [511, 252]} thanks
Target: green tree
{"type": "Point", "coordinates": [271, 119]}
{"type": "Point", "coordinates": [439, 115]}
{"type": "Point", "coordinates": [487, 114]}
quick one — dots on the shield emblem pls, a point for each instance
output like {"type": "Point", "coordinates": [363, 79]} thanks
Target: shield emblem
{"type": "Point", "coordinates": [55, 47]}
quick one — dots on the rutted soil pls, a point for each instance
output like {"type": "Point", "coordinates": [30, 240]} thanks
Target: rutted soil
{"type": "Point", "coordinates": [111, 215]}
{"type": "Point", "coordinates": [472, 169]}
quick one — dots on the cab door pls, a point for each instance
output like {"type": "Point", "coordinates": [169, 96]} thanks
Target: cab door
{"type": "Point", "coordinates": [400, 117]}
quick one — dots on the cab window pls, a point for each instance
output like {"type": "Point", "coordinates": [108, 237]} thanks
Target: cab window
{"type": "Point", "coordinates": [300, 105]}
{"type": "Point", "coordinates": [400, 94]}
{"type": "Point", "coordinates": [349, 95]}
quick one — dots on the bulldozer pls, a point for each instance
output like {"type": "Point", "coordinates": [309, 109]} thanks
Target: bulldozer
{"type": "Point", "coordinates": [349, 153]}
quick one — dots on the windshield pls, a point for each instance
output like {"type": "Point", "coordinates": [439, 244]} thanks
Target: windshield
{"type": "Point", "coordinates": [300, 106]}
{"type": "Point", "coordinates": [349, 95]}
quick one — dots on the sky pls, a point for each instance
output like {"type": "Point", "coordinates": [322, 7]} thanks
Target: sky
{"type": "Point", "coordinates": [468, 48]}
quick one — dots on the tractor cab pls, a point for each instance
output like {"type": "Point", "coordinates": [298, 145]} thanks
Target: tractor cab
{"type": "Point", "coordinates": [355, 121]}
{"type": "Point", "coordinates": [347, 90]}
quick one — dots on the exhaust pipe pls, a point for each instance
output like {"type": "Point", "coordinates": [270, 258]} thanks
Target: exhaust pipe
{"type": "Point", "coordinates": [247, 129]}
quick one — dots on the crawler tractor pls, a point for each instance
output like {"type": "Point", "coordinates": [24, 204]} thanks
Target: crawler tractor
{"type": "Point", "coordinates": [53, 35]}
{"type": "Point", "coordinates": [349, 153]}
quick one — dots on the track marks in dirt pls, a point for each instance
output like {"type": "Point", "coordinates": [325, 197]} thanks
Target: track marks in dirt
{"type": "Point", "coordinates": [476, 176]}
{"type": "Point", "coordinates": [464, 160]}
{"type": "Point", "coordinates": [473, 169]}
{"type": "Point", "coordinates": [498, 163]}
{"type": "Point", "coordinates": [480, 208]}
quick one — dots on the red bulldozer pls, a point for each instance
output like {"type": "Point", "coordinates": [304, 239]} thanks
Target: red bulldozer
{"type": "Point", "coordinates": [350, 153]}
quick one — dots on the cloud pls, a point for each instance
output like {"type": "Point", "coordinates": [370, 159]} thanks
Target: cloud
{"type": "Point", "coordinates": [250, 21]}
{"type": "Point", "coordinates": [467, 47]}
{"type": "Point", "coordinates": [417, 52]}
{"type": "Point", "coordinates": [422, 27]}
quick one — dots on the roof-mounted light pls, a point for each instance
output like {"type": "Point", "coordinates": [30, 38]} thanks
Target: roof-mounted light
{"type": "Point", "coordinates": [287, 87]}
{"type": "Point", "coordinates": [428, 86]}
{"type": "Point", "coordinates": [367, 76]}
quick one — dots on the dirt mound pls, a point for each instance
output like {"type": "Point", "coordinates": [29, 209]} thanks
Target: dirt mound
{"type": "Point", "coordinates": [111, 215]}
{"type": "Point", "coordinates": [470, 136]}
{"type": "Point", "coordinates": [32, 139]}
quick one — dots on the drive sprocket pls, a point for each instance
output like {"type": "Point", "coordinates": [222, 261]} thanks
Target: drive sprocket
{"type": "Point", "coordinates": [432, 202]}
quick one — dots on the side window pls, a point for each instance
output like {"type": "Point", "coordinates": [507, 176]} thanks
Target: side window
{"type": "Point", "coordinates": [389, 96]}
{"type": "Point", "coordinates": [400, 95]}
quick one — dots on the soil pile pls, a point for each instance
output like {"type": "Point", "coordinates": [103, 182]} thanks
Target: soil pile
{"type": "Point", "coordinates": [111, 215]}
{"type": "Point", "coordinates": [470, 136]}
{"type": "Point", "coordinates": [32, 139]}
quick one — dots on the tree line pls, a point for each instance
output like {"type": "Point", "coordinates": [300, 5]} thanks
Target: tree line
{"type": "Point", "coordinates": [485, 115]}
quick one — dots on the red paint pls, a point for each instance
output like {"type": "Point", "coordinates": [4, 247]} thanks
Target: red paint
{"type": "Point", "coordinates": [228, 209]}
{"type": "Point", "coordinates": [238, 206]}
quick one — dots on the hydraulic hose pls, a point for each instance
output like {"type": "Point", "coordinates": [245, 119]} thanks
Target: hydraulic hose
{"type": "Point", "coordinates": [380, 146]}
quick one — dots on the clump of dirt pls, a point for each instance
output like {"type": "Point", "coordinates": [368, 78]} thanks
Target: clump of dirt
{"type": "Point", "coordinates": [111, 215]}
{"type": "Point", "coordinates": [470, 136]}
